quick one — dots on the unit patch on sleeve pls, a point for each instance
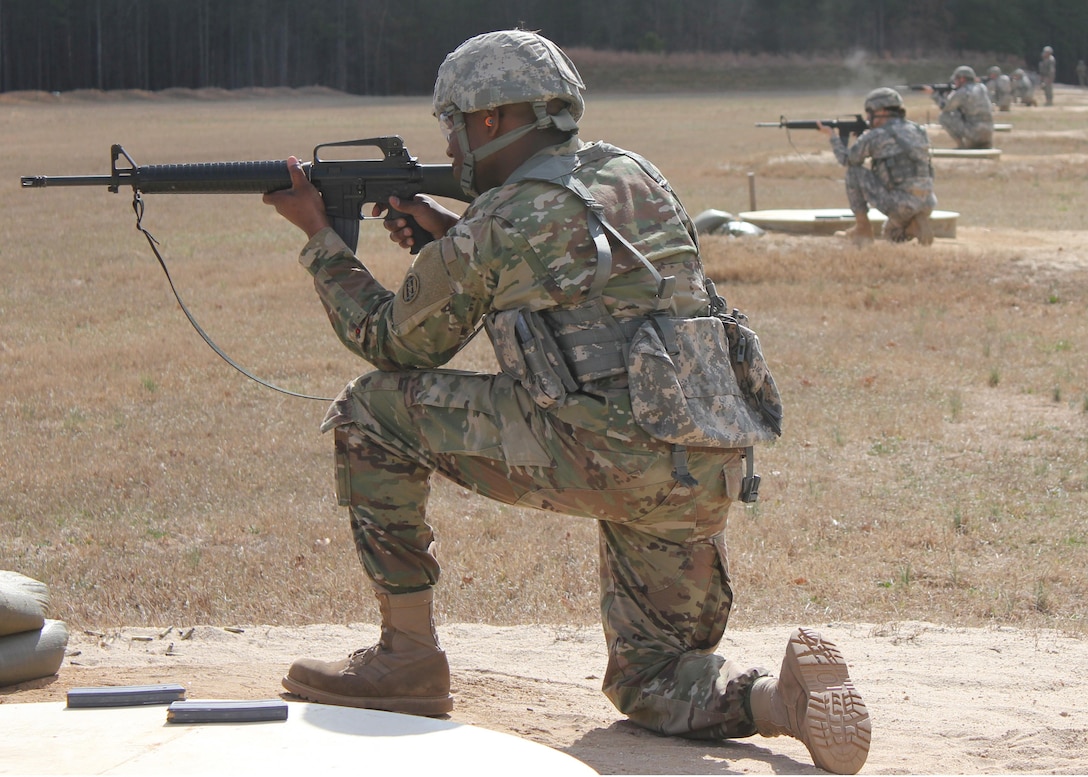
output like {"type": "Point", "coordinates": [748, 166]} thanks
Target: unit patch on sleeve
{"type": "Point", "coordinates": [425, 288]}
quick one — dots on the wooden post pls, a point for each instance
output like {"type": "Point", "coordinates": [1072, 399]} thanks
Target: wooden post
{"type": "Point", "coordinates": [752, 191]}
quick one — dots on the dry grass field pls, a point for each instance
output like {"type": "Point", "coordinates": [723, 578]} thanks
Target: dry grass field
{"type": "Point", "coordinates": [934, 464]}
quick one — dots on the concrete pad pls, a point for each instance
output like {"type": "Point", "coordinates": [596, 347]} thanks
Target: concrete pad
{"type": "Point", "coordinates": [828, 221]}
{"type": "Point", "coordinates": [998, 127]}
{"type": "Point", "coordinates": [966, 153]}
{"type": "Point", "coordinates": [50, 738]}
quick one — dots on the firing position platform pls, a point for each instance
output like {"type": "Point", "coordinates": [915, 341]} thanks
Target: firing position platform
{"type": "Point", "coordinates": [998, 127]}
{"type": "Point", "coordinates": [828, 221]}
{"type": "Point", "coordinates": [967, 153]}
{"type": "Point", "coordinates": [50, 738]}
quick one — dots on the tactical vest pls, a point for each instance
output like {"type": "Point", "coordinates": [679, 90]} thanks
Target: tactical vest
{"type": "Point", "coordinates": [693, 381]}
{"type": "Point", "coordinates": [913, 163]}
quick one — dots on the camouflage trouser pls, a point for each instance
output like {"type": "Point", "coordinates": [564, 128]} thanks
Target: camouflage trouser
{"type": "Point", "coordinates": [665, 585]}
{"type": "Point", "coordinates": [967, 134]}
{"type": "Point", "coordinates": [865, 190]}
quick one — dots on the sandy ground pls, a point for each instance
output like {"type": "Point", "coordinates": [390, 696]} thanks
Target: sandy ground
{"type": "Point", "coordinates": [943, 700]}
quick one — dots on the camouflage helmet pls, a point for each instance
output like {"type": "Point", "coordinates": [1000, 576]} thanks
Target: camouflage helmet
{"type": "Point", "coordinates": [1048, 50]}
{"type": "Point", "coordinates": [882, 99]}
{"type": "Point", "coordinates": [994, 71]}
{"type": "Point", "coordinates": [505, 67]}
{"type": "Point", "coordinates": [963, 71]}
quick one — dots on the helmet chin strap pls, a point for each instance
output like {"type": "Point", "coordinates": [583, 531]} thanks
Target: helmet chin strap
{"type": "Point", "coordinates": [562, 120]}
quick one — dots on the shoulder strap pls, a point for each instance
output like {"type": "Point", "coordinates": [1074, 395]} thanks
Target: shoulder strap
{"type": "Point", "coordinates": [560, 170]}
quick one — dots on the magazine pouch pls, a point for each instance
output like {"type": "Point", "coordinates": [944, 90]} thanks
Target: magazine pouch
{"type": "Point", "coordinates": [527, 351]}
{"type": "Point", "coordinates": [692, 384]}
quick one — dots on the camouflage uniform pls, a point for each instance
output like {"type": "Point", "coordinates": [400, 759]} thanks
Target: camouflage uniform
{"type": "Point", "coordinates": [1048, 69]}
{"type": "Point", "coordinates": [999, 87]}
{"type": "Point", "coordinates": [967, 116]}
{"type": "Point", "coordinates": [666, 592]}
{"type": "Point", "coordinates": [899, 182]}
{"type": "Point", "coordinates": [1023, 88]}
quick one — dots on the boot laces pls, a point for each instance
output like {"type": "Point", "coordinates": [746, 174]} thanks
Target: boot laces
{"type": "Point", "coordinates": [362, 656]}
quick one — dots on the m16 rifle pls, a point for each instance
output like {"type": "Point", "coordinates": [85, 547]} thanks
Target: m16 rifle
{"type": "Point", "coordinates": [345, 184]}
{"type": "Point", "coordinates": [846, 127]}
{"type": "Point", "coordinates": [937, 88]}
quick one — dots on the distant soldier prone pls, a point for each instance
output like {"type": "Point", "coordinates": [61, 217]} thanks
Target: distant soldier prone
{"type": "Point", "coordinates": [899, 180]}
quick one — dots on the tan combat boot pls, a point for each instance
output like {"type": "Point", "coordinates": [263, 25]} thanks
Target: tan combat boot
{"type": "Point", "coordinates": [921, 228]}
{"type": "Point", "coordinates": [813, 700]}
{"type": "Point", "coordinates": [405, 672]}
{"type": "Point", "coordinates": [861, 233]}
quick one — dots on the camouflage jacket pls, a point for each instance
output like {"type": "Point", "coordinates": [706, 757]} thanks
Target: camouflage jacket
{"type": "Point", "coordinates": [1022, 85]}
{"type": "Point", "coordinates": [1000, 89]}
{"type": "Point", "coordinates": [1048, 68]}
{"type": "Point", "coordinates": [523, 244]}
{"type": "Point", "coordinates": [899, 151]}
{"type": "Point", "coordinates": [971, 100]}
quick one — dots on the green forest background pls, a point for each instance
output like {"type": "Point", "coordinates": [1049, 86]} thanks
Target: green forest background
{"type": "Point", "coordinates": [383, 47]}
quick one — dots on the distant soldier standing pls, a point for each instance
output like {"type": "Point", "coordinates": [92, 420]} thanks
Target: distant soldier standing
{"type": "Point", "coordinates": [966, 114]}
{"type": "Point", "coordinates": [1023, 88]}
{"type": "Point", "coordinates": [1082, 73]}
{"type": "Point", "coordinates": [1048, 68]}
{"type": "Point", "coordinates": [899, 182]}
{"type": "Point", "coordinates": [1000, 88]}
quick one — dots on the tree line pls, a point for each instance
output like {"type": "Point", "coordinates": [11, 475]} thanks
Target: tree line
{"type": "Point", "coordinates": [386, 47]}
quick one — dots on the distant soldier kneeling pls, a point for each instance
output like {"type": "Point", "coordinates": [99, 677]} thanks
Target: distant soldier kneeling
{"type": "Point", "coordinates": [899, 180]}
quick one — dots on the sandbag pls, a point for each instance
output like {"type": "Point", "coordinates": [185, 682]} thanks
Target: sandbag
{"type": "Point", "coordinates": [24, 602]}
{"type": "Point", "coordinates": [33, 654]}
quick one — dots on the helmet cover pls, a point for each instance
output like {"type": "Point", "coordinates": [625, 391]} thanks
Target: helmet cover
{"type": "Point", "coordinates": [506, 67]}
{"type": "Point", "coordinates": [882, 99]}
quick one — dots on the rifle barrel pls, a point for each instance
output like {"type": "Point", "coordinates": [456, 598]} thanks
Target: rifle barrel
{"type": "Point", "coordinates": [192, 178]}
{"type": "Point", "coordinates": [38, 181]}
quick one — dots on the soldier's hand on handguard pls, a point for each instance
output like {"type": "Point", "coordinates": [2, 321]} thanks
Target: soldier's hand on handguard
{"type": "Point", "coordinates": [428, 214]}
{"type": "Point", "coordinates": [301, 204]}
{"type": "Point", "coordinates": [826, 130]}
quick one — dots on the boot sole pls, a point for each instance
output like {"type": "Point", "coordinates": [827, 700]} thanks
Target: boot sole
{"type": "Point", "coordinates": [837, 729]}
{"type": "Point", "coordinates": [427, 706]}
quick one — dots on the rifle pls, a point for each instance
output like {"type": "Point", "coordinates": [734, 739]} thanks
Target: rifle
{"type": "Point", "coordinates": [345, 185]}
{"type": "Point", "coordinates": [937, 88]}
{"type": "Point", "coordinates": [846, 127]}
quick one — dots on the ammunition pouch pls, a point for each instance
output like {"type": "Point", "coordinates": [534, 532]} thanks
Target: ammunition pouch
{"type": "Point", "coordinates": [527, 351]}
{"type": "Point", "coordinates": [554, 352]}
{"type": "Point", "coordinates": [702, 382]}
